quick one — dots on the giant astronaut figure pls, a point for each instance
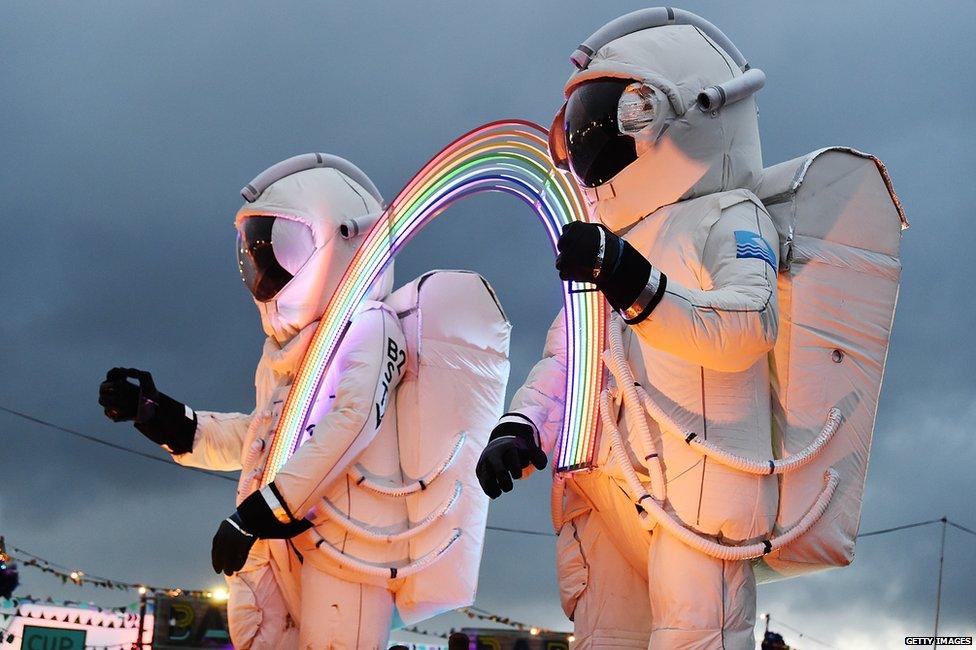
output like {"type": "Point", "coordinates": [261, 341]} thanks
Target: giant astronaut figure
{"type": "Point", "coordinates": [685, 254]}
{"type": "Point", "coordinates": [319, 557]}
{"type": "Point", "coordinates": [746, 351]}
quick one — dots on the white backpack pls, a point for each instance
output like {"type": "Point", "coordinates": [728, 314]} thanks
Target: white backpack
{"type": "Point", "coordinates": [839, 223]}
{"type": "Point", "coordinates": [451, 395]}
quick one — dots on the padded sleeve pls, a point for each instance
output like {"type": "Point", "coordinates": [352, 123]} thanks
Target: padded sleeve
{"type": "Point", "coordinates": [367, 363]}
{"type": "Point", "coordinates": [733, 323]}
{"type": "Point", "coordinates": [218, 441]}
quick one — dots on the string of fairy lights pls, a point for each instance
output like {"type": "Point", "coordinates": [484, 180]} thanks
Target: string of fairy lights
{"type": "Point", "coordinates": [80, 578]}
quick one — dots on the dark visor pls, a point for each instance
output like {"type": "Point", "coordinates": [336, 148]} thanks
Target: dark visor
{"type": "Point", "coordinates": [597, 149]}
{"type": "Point", "coordinates": [260, 269]}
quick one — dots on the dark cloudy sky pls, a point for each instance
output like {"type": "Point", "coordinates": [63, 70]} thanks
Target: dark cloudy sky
{"type": "Point", "coordinates": [126, 130]}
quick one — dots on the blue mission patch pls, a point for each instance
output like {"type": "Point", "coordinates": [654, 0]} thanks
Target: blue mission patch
{"type": "Point", "coordinates": [750, 244]}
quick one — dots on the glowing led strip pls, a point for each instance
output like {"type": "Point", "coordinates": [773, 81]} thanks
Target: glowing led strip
{"type": "Point", "coordinates": [506, 156]}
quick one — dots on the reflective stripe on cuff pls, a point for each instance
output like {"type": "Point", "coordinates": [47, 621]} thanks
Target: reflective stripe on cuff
{"type": "Point", "coordinates": [600, 254]}
{"type": "Point", "coordinates": [239, 529]}
{"type": "Point", "coordinates": [522, 419]}
{"type": "Point", "coordinates": [648, 298]}
{"type": "Point", "coordinates": [278, 509]}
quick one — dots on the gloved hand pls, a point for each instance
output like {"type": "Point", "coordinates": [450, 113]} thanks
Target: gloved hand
{"type": "Point", "coordinates": [589, 252]}
{"type": "Point", "coordinates": [231, 545]}
{"type": "Point", "coordinates": [119, 397]}
{"type": "Point", "coordinates": [158, 416]}
{"type": "Point", "coordinates": [254, 519]}
{"type": "Point", "coordinates": [511, 448]}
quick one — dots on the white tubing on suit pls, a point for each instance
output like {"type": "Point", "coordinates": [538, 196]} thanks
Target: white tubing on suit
{"type": "Point", "coordinates": [647, 19]}
{"type": "Point", "coordinates": [409, 488]}
{"type": "Point", "coordinates": [749, 466]}
{"type": "Point", "coordinates": [304, 162]}
{"type": "Point", "coordinates": [637, 491]}
{"type": "Point", "coordinates": [749, 551]}
{"type": "Point", "coordinates": [651, 512]}
{"type": "Point", "coordinates": [362, 532]}
{"type": "Point", "coordinates": [636, 394]}
{"type": "Point", "coordinates": [390, 573]}
{"type": "Point", "coordinates": [617, 363]}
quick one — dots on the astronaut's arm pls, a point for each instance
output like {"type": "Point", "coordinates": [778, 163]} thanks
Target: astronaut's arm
{"type": "Point", "coordinates": [734, 323]}
{"type": "Point", "coordinates": [370, 364]}
{"type": "Point", "coordinates": [540, 400]}
{"type": "Point", "coordinates": [218, 441]}
{"type": "Point", "coordinates": [196, 439]}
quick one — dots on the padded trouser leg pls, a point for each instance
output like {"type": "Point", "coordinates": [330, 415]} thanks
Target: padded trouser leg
{"type": "Point", "coordinates": [341, 615]}
{"type": "Point", "coordinates": [603, 594]}
{"type": "Point", "coordinates": [257, 614]}
{"type": "Point", "coordinates": [698, 602]}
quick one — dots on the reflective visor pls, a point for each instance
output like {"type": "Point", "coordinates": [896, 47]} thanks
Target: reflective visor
{"type": "Point", "coordinates": [270, 250]}
{"type": "Point", "coordinates": [597, 149]}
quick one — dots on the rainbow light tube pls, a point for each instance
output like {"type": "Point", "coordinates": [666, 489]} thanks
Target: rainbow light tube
{"type": "Point", "coordinates": [507, 156]}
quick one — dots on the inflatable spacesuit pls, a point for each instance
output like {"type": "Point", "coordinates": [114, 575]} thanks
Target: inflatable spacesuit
{"type": "Point", "coordinates": [378, 508]}
{"type": "Point", "coordinates": [707, 462]}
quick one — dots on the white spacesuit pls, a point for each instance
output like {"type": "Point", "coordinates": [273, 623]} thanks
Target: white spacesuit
{"type": "Point", "coordinates": [708, 466]}
{"type": "Point", "coordinates": [358, 520]}
{"type": "Point", "coordinates": [672, 178]}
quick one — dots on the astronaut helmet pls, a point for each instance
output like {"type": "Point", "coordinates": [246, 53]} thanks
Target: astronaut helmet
{"type": "Point", "coordinates": [660, 109]}
{"type": "Point", "coordinates": [302, 223]}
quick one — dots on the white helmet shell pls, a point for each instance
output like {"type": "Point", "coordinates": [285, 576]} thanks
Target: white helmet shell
{"type": "Point", "coordinates": [315, 256]}
{"type": "Point", "coordinates": [697, 151]}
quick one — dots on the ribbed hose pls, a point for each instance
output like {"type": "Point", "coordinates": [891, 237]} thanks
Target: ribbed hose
{"type": "Point", "coordinates": [749, 551]}
{"type": "Point", "coordinates": [620, 369]}
{"type": "Point", "coordinates": [344, 522]}
{"type": "Point", "coordinates": [651, 512]}
{"type": "Point", "coordinates": [390, 573]}
{"type": "Point", "coordinates": [409, 488]}
{"type": "Point", "coordinates": [747, 465]}
{"type": "Point", "coordinates": [637, 491]}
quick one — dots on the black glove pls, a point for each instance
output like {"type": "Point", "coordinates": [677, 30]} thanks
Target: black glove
{"type": "Point", "coordinates": [511, 448]}
{"type": "Point", "coordinates": [253, 520]}
{"type": "Point", "coordinates": [231, 545]}
{"type": "Point", "coordinates": [118, 397]}
{"type": "Point", "coordinates": [158, 416]}
{"type": "Point", "coordinates": [621, 273]}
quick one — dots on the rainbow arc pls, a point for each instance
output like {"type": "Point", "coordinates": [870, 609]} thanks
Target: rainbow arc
{"type": "Point", "coordinates": [507, 156]}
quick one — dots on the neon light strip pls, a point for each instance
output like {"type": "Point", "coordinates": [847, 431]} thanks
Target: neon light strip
{"type": "Point", "coordinates": [506, 156]}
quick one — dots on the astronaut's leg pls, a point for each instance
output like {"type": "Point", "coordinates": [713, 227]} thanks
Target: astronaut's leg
{"type": "Point", "coordinates": [256, 612]}
{"type": "Point", "coordinates": [697, 601]}
{"type": "Point", "coordinates": [342, 615]}
{"type": "Point", "coordinates": [604, 595]}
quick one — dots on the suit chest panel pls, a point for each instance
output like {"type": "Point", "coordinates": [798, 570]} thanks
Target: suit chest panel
{"type": "Point", "coordinates": [673, 240]}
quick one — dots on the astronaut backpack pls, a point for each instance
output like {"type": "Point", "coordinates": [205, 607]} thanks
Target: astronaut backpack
{"type": "Point", "coordinates": [839, 223]}
{"type": "Point", "coordinates": [451, 395]}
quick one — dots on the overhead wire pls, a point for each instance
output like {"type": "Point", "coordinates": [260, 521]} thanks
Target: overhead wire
{"type": "Point", "coordinates": [107, 443]}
